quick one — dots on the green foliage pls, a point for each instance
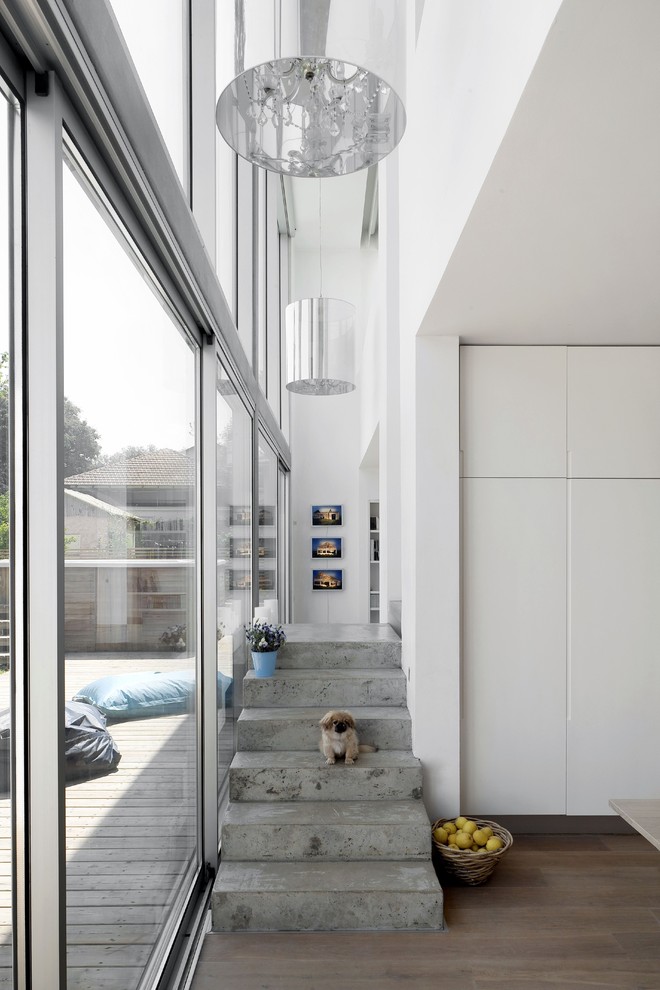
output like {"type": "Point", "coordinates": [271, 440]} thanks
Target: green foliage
{"type": "Point", "coordinates": [81, 441]}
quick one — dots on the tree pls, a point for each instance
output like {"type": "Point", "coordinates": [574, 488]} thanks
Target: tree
{"type": "Point", "coordinates": [81, 441]}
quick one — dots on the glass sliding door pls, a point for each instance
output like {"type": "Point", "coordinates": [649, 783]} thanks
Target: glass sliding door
{"type": "Point", "coordinates": [234, 528]}
{"type": "Point", "coordinates": [131, 601]}
{"type": "Point", "coordinates": [268, 528]}
{"type": "Point", "coordinates": [10, 308]}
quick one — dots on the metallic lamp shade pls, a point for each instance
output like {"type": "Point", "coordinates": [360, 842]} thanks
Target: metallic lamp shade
{"type": "Point", "coordinates": [320, 346]}
{"type": "Point", "coordinates": [314, 87]}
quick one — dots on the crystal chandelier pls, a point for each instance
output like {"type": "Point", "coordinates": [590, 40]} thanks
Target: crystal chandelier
{"type": "Point", "coordinates": [310, 116]}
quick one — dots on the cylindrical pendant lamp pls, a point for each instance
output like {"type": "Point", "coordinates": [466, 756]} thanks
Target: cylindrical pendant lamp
{"type": "Point", "coordinates": [320, 346]}
{"type": "Point", "coordinates": [314, 88]}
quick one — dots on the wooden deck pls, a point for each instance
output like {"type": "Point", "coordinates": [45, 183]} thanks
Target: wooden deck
{"type": "Point", "coordinates": [130, 838]}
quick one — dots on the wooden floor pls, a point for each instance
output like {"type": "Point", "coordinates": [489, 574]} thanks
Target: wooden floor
{"type": "Point", "coordinates": [130, 839]}
{"type": "Point", "coordinates": [559, 913]}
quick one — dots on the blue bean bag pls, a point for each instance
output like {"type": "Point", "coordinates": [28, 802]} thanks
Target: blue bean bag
{"type": "Point", "coordinates": [147, 694]}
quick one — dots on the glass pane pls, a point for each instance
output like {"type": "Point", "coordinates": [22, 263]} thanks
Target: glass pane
{"type": "Point", "coordinates": [9, 285]}
{"type": "Point", "coordinates": [226, 168]}
{"type": "Point", "coordinates": [234, 508]}
{"type": "Point", "coordinates": [157, 38]}
{"type": "Point", "coordinates": [268, 528]}
{"type": "Point", "coordinates": [130, 601]}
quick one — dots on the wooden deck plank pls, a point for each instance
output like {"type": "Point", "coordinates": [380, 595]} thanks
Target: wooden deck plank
{"type": "Point", "coordinates": [130, 838]}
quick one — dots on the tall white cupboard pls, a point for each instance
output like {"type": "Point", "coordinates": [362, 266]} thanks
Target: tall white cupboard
{"type": "Point", "coordinates": [561, 577]}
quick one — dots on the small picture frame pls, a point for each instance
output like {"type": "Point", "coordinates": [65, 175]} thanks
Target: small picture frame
{"type": "Point", "coordinates": [327, 515]}
{"type": "Point", "coordinates": [324, 547]}
{"type": "Point", "coordinates": [327, 580]}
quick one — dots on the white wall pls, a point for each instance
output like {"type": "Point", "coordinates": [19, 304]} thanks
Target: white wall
{"type": "Point", "coordinates": [465, 78]}
{"type": "Point", "coordinates": [330, 441]}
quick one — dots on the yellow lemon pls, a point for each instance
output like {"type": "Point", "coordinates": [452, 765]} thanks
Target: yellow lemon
{"type": "Point", "coordinates": [440, 835]}
{"type": "Point", "coordinates": [463, 840]}
{"type": "Point", "coordinates": [449, 827]}
{"type": "Point", "coordinates": [475, 848]}
{"type": "Point", "coordinates": [494, 844]}
{"type": "Point", "coordinates": [480, 837]}
{"type": "Point", "coordinates": [487, 830]}
{"type": "Point", "coordinates": [451, 839]}
{"type": "Point", "coordinates": [460, 821]}
{"type": "Point", "coordinates": [470, 827]}
{"type": "Point", "coordinates": [482, 849]}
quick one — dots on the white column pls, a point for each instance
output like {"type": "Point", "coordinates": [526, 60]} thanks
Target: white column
{"type": "Point", "coordinates": [431, 561]}
{"type": "Point", "coordinates": [390, 414]}
{"type": "Point", "coordinates": [45, 538]}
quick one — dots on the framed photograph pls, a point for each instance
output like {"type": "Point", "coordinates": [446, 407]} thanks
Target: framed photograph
{"type": "Point", "coordinates": [242, 580]}
{"type": "Point", "coordinates": [326, 547]}
{"type": "Point", "coordinates": [327, 580]}
{"type": "Point", "coordinates": [327, 515]}
{"type": "Point", "coordinates": [266, 515]}
{"type": "Point", "coordinates": [240, 515]}
{"type": "Point", "coordinates": [241, 547]}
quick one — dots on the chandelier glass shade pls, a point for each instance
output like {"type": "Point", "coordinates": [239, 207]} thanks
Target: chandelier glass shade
{"type": "Point", "coordinates": [320, 346]}
{"type": "Point", "coordinates": [310, 116]}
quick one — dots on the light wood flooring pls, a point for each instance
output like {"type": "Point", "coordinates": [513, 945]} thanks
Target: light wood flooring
{"type": "Point", "coordinates": [130, 839]}
{"type": "Point", "coordinates": [559, 913]}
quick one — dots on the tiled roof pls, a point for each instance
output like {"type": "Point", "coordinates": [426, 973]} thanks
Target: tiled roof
{"type": "Point", "coordinates": [158, 468]}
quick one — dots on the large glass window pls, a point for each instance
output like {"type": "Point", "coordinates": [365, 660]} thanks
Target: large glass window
{"type": "Point", "coordinates": [9, 306]}
{"type": "Point", "coordinates": [268, 484]}
{"type": "Point", "coordinates": [130, 624]}
{"type": "Point", "coordinates": [156, 35]}
{"type": "Point", "coordinates": [234, 522]}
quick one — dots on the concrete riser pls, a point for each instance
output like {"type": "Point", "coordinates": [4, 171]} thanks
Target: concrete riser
{"type": "Point", "coordinates": [330, 843]}
{"type": "Point", "coordinates": [285, 691]}
{"type": "Point", "coordinates": [304, 733]}
{"type": "Point", "coordinates": [328, 656]}
{"type": "Point", "coordinates": [318, 911]}
{"type": "Point", "coordinates": [337, 783]}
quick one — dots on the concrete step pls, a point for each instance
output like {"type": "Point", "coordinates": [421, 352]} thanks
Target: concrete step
{"type": "Point", "coordinates": [326, 897]}
{"type": "Point", "coordinates": [304, 776]}
{"type": "Point", "coordinates": [326, 830]}
{"type": "Point", "coordinates": [341, 688]}
{"type": "Point", "coordinates": [332, 646]}
{"type": "Point", "coordinates": [298, 728]}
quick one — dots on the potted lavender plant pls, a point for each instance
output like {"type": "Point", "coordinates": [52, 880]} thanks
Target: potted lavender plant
{"type": "Point", "coordinates": [265, 640]}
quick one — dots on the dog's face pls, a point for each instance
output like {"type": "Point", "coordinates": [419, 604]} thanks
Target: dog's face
{"type": "Point", "coordinates": [337, 722]}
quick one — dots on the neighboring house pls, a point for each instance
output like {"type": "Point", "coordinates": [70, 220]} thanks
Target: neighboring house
{"type": "Point", "coordinates": [128, 550]}
{"type": "Point", "coordinates": [92, 526]}
{"type": "Point", "coordinates": [158, 485]}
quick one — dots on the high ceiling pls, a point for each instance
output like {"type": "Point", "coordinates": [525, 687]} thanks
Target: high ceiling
{"type": "Point", "coordinates": [563, 242]}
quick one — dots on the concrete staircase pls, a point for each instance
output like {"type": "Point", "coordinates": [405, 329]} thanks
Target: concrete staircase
{"type": "Point", "coordinates": [311, 847]}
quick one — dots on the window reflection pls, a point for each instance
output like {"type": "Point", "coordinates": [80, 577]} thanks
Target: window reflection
{"type": "Point", "coordinates": [268, 584]}
{"type": "Point", "coordinates": [234, 521]}
{"type": "Point", "coordinates": [9, 286]}
{"type": "Point", "coordinates": [130, 600]}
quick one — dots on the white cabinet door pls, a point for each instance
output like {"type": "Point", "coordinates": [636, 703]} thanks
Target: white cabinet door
{"type": "Point", "coordinates": [614, 643]}
{"type": "Point", "coordinates": [513, 412]}
{"type": "Point", "coordinates": [614, 412]}
{"type": "Point", "coordinates": [514, 646]}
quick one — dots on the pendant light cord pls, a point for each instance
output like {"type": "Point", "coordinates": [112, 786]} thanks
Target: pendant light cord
{"type": "Point", "coordinates": [320, 242]}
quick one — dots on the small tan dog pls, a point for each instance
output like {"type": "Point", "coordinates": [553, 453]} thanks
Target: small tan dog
{"type": "Point", "coordinates": [339, 738]}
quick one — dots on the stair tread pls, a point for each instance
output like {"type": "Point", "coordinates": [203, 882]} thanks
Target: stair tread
{"type": "Point", "coordinates": [336, 674]}
{"type": "Point", "coordinates": [394, 876]}
{"type": "Point", "coordinates": [329, 633]}
{"type": "Point", "coordinates": [328, 813]}
{"type": "Point", "coordinates": [306, 759]}
{"type": "Point", "coordinates": [304, 713]}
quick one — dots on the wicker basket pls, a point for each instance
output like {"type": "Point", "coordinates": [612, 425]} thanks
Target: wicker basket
{"type": "Point", "coordinates": [471, 867]}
